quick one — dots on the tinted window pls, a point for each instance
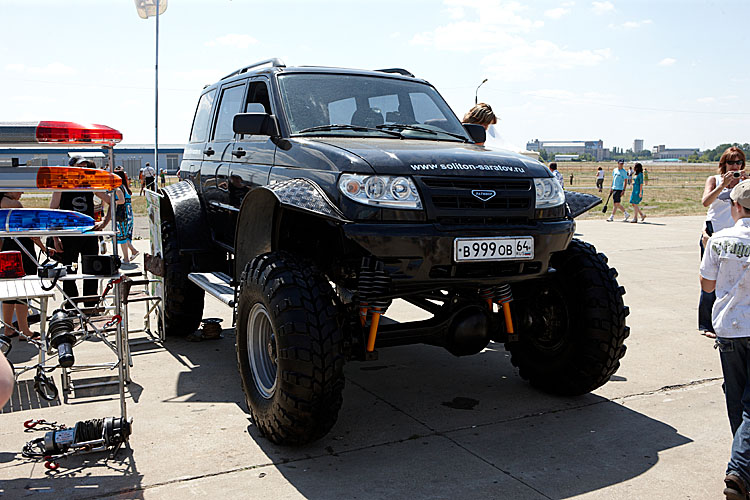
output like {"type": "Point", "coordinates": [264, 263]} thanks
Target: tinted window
{"type": "Point", "coordinates": [231, 101]}
{"type": "Point", "coordinates": [257, 93]}
{"type": "Point", "coordinates": [315, 100]}
{"type": "Point", "coordinates": [202, 115]}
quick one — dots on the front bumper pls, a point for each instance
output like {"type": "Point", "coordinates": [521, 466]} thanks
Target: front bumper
{"type": "Point", "coordinates": [420, 256]}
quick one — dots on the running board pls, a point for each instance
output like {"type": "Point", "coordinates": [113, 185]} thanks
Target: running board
{"type": "Point", "coordinates": [216, 284]}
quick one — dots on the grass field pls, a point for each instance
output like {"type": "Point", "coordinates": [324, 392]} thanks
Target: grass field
{"type": "Point", "coordinates": [673, 189]}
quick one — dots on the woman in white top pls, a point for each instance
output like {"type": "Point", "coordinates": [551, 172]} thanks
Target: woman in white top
{"type": "Point", "coordinates": [718, 217]}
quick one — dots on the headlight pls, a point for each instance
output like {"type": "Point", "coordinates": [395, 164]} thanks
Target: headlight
{"type": "Point", "coordinates": [381, 190]}
{"type": "Point", "coordinates": [549, 192]}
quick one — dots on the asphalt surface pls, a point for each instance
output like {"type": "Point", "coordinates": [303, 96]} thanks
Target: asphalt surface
{"type": "Point", "coordinates": [419, 422]}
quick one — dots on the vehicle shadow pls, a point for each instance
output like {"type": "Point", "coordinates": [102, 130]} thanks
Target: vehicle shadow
{"type": "Point", "coordinates": [482, 430]}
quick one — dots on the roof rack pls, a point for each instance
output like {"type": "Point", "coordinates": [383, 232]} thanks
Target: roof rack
{"type": "Point", "coordinates": [275, 62]}
{"type": "Point", "coordinates": [400, 71]}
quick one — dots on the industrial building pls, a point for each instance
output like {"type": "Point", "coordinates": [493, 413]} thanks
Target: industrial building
{"type": "Point", "coordinates": [661, 152]}
{"type": "Point", "coordinates": [637, 146]}
{"type": "Point", "coordinates": [130, 156]}
{"type": "Point", "coordinates": [594, 148]}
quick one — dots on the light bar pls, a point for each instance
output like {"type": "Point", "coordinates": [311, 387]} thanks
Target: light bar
{"type": "Point", "coordinates": [11, 265]}
{"type": "Point", "coordinates": [49, 132]}
{"type": "Point", "coordinates": [42, 219]}
{"type": "Point", "coordinates": [57, 179]}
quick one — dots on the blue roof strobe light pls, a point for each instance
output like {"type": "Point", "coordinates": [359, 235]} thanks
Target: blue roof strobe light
{"type": "Point", "coordinates": [40, 219]}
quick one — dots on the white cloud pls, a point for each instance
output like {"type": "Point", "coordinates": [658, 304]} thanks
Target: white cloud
{"type": "Point", "coordinates": [455, 12]}
{"type": "Point", "coordinates": [556, 13]}
{"type": "Point", "coordinates": [632, 24]}
{"type": "Point", "coordinates": [667, 61]}
{"type": "Point", "coordinates": [602, 7]}
{"type": "Point", "coordinates": [706, 100]}
{"type": "Point", "coordinates": [53, 70]}
{"type": "Point", "coordinates": [501, 30]}
{"type": "Point", "coordinates": [233, 40]}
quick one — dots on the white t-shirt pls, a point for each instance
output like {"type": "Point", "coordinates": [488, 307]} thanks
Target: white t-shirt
{"type": "Point", "coordinates": [720, 210]}
{"type": "Point", "coordinates": [600, 174]}
{"type": "Point", "coordinates": [148, 171]}
{"type": "Point", "coordinates": [559, 178]}
{"type": "Point", "coordinates": [727, 261]}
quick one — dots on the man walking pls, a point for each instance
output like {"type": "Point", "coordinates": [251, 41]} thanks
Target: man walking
{"type": "Point", "coordinates": [149, 176]}
{"type": "Point", "coordinates": [725, 270]}
{"type": "Point", "coordinates": [557, 174]}
{"type": "Point", "coordinates": [619, 179]}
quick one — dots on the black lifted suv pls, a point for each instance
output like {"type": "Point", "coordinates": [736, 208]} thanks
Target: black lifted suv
{"type": "Point", "coordinates": [310, 198]}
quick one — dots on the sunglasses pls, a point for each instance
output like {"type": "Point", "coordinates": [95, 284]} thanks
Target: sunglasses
{"type": "Point", "coordinates": [735, 162]}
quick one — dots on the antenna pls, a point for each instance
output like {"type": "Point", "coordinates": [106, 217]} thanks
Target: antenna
{"type": "Point", "coordinates": [476, 99]}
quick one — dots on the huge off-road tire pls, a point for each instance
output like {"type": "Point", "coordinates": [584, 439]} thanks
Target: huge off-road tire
{"type": "Point", "coordinates": [573, 329]}
{"type": "Point", "coordinates": [183, 300]}
{"type": "Point", "coordinates": [289, 349]}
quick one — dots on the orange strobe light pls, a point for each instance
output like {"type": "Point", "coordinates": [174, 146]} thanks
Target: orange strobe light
{"type": "Point", "coordinates": [76, 178]}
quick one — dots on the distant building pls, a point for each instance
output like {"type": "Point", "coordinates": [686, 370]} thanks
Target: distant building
{"type": "Point", "coordinates": [637, 146]}
{"type": "Point", "coordinates": [131, 156]}
{"type": "Point", "coordinates": [661, 152]}
{"type": "Point", "coordinates": [594, 148]}
{"type": "Point", "coordinates": [566, 157]}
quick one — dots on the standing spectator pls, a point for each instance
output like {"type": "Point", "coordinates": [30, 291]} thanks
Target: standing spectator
{"type": "Point", "coordinates": [162, 178]}
{"type": "Point", "coordinates": [141, 180]}
{"type": "Point", "coordinates": [636, 197]}
{"type": "Point", "coordinates": [571, 178]}
{"type": "Point", "coordinates": [645, 176]}
{"type": "Point", "coordinates": [718, 217]}
{"type": "Point", "coordinates": [619, 180]}
{"type": "Point", "coordinates": [724, 271]}
{"type": "Point", "coordinates": [630, 176]}
{"type": "Point", "coordinates": [149, 176]}
{"type": "Point", "coordinates": [600, 179]}
{"type": "Point", "coordinates": [481, 114]}
{"type": "Point", "coordinates": [70, 248]}
{"type": "Point", "coordinates": [557, 174]}
{"type": "Point", "coordinates": [124, 218]}
{"type": "Point", "coordinates": [20, 307]}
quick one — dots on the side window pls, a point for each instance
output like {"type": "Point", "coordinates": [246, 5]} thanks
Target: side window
{"type": "Point", "coordinates": [230, 104]}
{"type": "Point", "coordinates": [425, 108]}
{"type": "Point", "coordinates": [258, 94]}
{"type": "Point", "coordinates": [341, 111]}
{"type": "Point", "coordinates": [202, 115]}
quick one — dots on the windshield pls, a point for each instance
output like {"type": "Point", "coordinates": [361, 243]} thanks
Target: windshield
{"type": "Point", "coordinates": [353, 105]}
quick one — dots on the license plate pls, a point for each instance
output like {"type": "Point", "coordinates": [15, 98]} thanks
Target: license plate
{"type": "Point", "coordinates": [482, 249]}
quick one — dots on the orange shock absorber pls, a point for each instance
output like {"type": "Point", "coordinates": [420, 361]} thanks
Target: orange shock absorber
{"type": "Point", "coordinates": [504, 297]}
{"type": "Point", "coordinates": [363, 308]}
{"type": "Point", "coordinates": [488, 295]}
{"type": "Point", "coordinates": [376, 312]}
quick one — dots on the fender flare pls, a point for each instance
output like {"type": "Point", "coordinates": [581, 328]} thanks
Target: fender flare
{"type": "Point", "coordinates": [257, 220]}
{"type": "Point", "coordinates": [181, 202]}
{"type": "Point", "coordinates": [579, 203]}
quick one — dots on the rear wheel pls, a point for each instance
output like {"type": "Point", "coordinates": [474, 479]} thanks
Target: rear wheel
{"type": "Point", "coordinates": [183, 300]}
{"type": "Point", "coordinates": [573, 328]}
{"type": "Point", "coordinates": [289, 349]}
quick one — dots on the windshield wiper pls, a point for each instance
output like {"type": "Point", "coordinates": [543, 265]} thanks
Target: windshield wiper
{"type": "Point", "coordinates": [402, 126]}
{"type": "Point", "coordinates": [336, 126]}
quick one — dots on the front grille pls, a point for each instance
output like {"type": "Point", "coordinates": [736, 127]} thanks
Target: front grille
{"type": "Point", "coordinates": [450, 200]}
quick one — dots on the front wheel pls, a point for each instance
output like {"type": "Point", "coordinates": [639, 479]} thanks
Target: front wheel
{"type": "Point", "coordinates": [573, 327]}
{"type": "Point", "coordinates": [289, 349]}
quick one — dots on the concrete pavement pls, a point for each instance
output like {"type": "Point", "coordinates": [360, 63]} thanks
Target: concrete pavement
{"type": "Point", "coordinates": [419, 422]}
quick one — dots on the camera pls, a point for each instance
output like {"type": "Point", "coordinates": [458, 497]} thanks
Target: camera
{"type": "Point", "coordinates": [60, 336]}
{"type": "Point", "coordinates": [736, 174]}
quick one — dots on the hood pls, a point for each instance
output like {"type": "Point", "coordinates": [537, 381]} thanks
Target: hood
{"type": "Point", "coordinates": [410, 157]}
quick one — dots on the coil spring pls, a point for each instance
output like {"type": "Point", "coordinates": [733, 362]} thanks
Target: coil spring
{"type": "Point", "coordinates": [487, 293]}
{"type": "Point", "coordinates": [503, 293]}
{"type": "Point", "coordinates": [373, 282]}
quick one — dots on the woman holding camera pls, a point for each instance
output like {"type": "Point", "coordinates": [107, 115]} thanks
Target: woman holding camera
{"type": "Point", "coordinates": [719, 216]}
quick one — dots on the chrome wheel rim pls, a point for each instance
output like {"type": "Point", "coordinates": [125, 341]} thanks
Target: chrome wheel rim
{"type": "Point", "coordinates": [262, 350]}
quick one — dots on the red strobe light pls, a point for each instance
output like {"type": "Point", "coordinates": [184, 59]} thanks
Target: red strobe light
{"type": "Point", "coordinates": [11, 265]}
{"type": "Point", "coordinates": [71, 132]}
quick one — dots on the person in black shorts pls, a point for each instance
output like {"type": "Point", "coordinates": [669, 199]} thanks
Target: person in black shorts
{"type": "Point", "coordinates": [69, 248]}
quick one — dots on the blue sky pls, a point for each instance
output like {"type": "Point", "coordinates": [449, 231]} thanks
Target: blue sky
{"type": "Point", "coordinates": [668, 72]}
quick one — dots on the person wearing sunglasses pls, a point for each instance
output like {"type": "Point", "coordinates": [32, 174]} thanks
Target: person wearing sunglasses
{"type": "Point", "coordinates": [719, 216]}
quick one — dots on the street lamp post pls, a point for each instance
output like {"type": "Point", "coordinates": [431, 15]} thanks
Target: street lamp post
{"type": "Point", "coordinates": [476, 93]}
{"type": "Point", "coordinates": [146, 9]}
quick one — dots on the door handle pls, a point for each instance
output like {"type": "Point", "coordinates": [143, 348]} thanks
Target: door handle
{"type": "Point", "coordinates": [208, 152]}
{"type": "Point", "coordinates": [239, 153]}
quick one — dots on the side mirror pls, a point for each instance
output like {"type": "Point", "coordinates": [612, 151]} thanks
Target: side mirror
{"type": "Point", "coordinates": [255, 124]}
{"type": "Point", "coordinates": [477, 132]}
